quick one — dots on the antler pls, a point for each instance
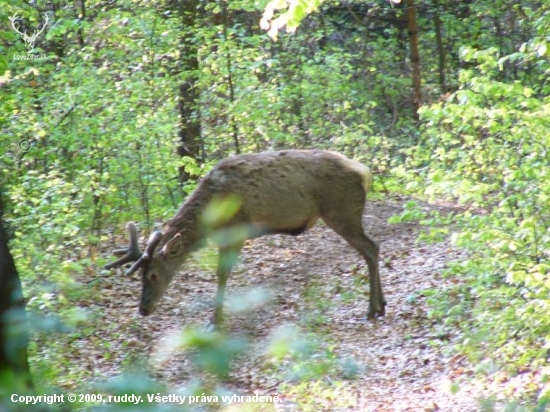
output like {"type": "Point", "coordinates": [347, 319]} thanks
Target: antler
{"type": "Point", "coordinates": [44, 25]}
{"type": "Point", "coordinates": [133, 252]}
{"type": "Point", "coordinates": [13, 19]}
{"type": "Point", "coordinates": [32, 39]}
{"type": "Point", "coordinates": [152, 244]}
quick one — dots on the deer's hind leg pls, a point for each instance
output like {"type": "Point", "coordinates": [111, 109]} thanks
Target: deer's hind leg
{"type": "Point", "coordinates": [348, 225]}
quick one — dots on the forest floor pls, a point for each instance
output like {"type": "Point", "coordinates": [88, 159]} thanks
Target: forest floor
{"type": "Point", "coordinates": [400, 362]}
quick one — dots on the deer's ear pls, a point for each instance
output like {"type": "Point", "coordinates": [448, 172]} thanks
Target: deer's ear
{"type": "Point", "coordinates": [173, 246]}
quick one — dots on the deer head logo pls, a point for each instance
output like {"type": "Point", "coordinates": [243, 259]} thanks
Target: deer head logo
{"type": "Point", "coordinates": [30, 40]}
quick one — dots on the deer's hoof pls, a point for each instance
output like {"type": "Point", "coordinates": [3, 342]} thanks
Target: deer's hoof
{"type": "Point", "coordinates": [373, 314]}
{"type": "Point", "coordinates": [212, 326]}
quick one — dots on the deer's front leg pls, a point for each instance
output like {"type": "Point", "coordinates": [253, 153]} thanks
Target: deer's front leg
{"type": "Point", "coordinates": [226, 260]}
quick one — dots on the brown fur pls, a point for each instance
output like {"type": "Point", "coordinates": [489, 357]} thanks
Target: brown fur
{"type": "Point", "coordinates": [280, 192]}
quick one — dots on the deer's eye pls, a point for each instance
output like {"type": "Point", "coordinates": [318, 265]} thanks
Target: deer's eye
{"type": "Point", "coordinates": [153, 276]}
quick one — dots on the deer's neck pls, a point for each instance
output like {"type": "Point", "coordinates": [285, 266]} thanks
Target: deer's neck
{"type": "Point", "coordinates": [187, 221]}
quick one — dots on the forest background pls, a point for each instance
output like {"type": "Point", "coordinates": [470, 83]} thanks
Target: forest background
{"type": "Point", "coordinates": [119, 107]}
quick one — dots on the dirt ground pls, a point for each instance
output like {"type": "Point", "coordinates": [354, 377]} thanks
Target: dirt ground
{"type": "Point", "coordinates": [400, 362]}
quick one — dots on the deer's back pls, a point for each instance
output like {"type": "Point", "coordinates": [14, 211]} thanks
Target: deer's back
{"type": "Point", "coordinates": [288, 190]}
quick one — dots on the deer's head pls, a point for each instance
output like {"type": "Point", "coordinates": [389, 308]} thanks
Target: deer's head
{"type": "Point", "coordinates": [157, 268]}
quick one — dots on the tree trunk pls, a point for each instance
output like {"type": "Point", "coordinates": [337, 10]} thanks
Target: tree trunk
{"type": "Point", "coordinates": [442, 57]}
{"type": "Point", "coordinates": [14, 366]}
{"type": "Point", "coordinates": [82, 17]}
{"type": "Point", "coordinates": [188, 99]}
{"type": "Point", "coordinates": [226, 21]}
{"type": "Point", "coordinates": [415, 56]}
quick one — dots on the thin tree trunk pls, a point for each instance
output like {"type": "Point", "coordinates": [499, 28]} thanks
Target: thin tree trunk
{"type": "Point", "coordinates": [234, 128]}
{"type": "Point", "coordinates": [82, 17]}
{"type": "Point", "coordinates": [442, 57]}
{"type": "Point", "coordinates": [188, 99]}
{"type": "Point", "coordinates": [415, 56]}
{"type": "Point", "coordinates": [14, 365]}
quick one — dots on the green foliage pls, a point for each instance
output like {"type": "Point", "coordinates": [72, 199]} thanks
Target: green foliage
{"type": "Point", "coordinates": [487, 147]}
{"type": "Point", "coordinates": [309, 360]}
{"type": "Point", "coordinates": [211, 351]}
{"type": "Point", "coordinates": [412, 212]}
{"type": "Point", "coordinates": [219, 211]}
{"type": "Point", "coordinates": [294, 13]}
{"type": "Point", "coordinates": [316, 395]}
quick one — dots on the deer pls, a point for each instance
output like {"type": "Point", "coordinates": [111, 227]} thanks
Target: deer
{"type": "Point", "coordinates": [278, 192]}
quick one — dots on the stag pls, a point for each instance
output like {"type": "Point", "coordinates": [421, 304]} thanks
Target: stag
{"type": "Point", "coordinates": [30, 40]}
{"type": "Point", "coordinates": [283, 192]}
